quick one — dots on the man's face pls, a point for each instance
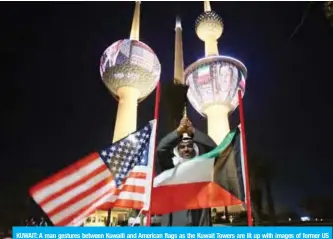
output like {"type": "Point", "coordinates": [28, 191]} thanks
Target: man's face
{"type": "Point", "coordinates": [186, 150]}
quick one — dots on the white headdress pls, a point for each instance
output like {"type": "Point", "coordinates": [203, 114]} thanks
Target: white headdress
{"type": "Point", "coordinates": [177, 159]}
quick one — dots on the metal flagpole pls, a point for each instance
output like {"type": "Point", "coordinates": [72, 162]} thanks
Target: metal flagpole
{"type": "Point", "coordinates": [108, 220]}
{"type": "Point", "coordinates": [246, 169]}
{"type": "Point", "coordinates": [156, 117]}
{"type": "Point", "coordinates": [185, 110]}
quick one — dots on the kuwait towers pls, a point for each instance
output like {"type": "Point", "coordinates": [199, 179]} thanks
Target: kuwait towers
{"type": "Point", "coordinates": [213, 81]}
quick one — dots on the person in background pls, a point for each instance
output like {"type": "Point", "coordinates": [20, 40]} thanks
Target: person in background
{"type": "Point", "coordinates": [32, 222]}
{"type": "Point", "coordinates": [42, 222]}
{"type": "Point", "coordinates": [214, 213]}
{"type": "Point", "coordinates": [114, 222]}
{"type": "Point", "coordinates": [181, 145]}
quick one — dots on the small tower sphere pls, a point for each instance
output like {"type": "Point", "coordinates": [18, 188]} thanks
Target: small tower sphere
{"type": "Point", "coordinates": [209, 26]}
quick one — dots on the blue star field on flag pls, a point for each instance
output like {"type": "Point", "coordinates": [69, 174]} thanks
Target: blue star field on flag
{"type": "Point", "coordinates": [122, 156]}
{"type": "Point", "coordinates": [121, 59]}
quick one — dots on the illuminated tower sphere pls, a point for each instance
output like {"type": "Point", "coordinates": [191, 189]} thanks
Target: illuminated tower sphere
{"type": "Point", "coordinates": [214, 80]}
{"type": "Point", "coordinates": [131, 70]}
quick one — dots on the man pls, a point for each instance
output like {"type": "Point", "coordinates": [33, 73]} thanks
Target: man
{"type": "Point", "coordinates": [32, 222]}
{"type": "Point", "coordinates": [181, 145]}
{"type": "Point", "coordinates": [42, 222]}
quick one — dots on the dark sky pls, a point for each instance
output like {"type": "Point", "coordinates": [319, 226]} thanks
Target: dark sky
{"type": "Point", "coordinates": [55, 108]}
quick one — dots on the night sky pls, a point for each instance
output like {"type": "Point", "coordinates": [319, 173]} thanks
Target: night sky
{"type": "Point", "coordinates": [55, 108]}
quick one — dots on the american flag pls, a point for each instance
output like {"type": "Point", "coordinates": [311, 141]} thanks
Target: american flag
{"type": "Point", "coordinates": [142, 57]}
{"type": "Point", "coordinates": [121, 58]}
{"type": "Point", "coordinates": [118, 176]}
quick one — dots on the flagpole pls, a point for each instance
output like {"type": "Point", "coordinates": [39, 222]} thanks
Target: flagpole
{"type": "Point", "coordinates": [156, 117]}
{"type": "Point", "coordinates": [108, 220]}
{"type": "Point", "coordinates": [246, 169]}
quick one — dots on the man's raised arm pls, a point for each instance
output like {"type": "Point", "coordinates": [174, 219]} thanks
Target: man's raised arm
{"type": "Point", "coordinates": [165, 148]}
{"type": "Point", "coordinates": [203, 139]}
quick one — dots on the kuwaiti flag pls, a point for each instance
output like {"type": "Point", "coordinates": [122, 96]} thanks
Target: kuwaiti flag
{"type": "Point", "coordinates": [214, 179]}
{"type": "Point", "coordinates": [203, 75]}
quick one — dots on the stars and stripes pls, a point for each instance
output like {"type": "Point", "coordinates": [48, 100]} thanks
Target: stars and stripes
{"type": "Point", "coordinates": [142, 57]}
{"type": "Point", "coordinates": [123, 52]}
{"type": "Point", "coordinates": [109, 56]}
{"type": "Point", "coordinates": [122, 156]}
{"type": "Point", "coordinates": [121, 59]}
{"type": "Point", "coordinates": [120, 175]}
{"type": "Point", "coordinates": [125, 48]}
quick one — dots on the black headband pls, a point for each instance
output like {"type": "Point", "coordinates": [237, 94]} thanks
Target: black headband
{"type": "Point", "coordinates": [186, 138]}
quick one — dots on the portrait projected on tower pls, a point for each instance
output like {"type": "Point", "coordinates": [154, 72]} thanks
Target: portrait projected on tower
{"type": "Point", "coordinates": [128, 62]}
{"type": "Point", "coordinates": [215, 83]}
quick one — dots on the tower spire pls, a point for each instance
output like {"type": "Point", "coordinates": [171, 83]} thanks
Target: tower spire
{"type": "Point", "coordinates": [135, 30]}
{"type": "Point", "coordinates": [209, 28]}
{"type": "Point", "coordinates": [179, 62]}
{"type": "Point", "coordinates": [207, 7]}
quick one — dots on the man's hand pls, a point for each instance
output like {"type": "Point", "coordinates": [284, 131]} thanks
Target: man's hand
{"type": "Point", "coordinates": [182, 126]}
{"type": "Point", "coordinates": [185, 126]}
{"type": "Point", "coordinates": [190, 128]}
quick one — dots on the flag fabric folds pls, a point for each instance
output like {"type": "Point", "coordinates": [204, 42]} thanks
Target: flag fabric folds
{"type": "Point", "coordinates": [118, 176]}
{"type": "Point", "coordinates": [210, 180]}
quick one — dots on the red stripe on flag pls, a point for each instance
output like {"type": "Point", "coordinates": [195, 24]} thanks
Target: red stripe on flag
{"type": "Point", "coordinates": [77, 198]}
{"type": "Point", "coordinates": [77, 191]}
{"type": "Point", "coordinates": [138, 175]}
{"type": "Point", "coordinates": [132, 189]}
{"type": "Point", "coordinates": [74, 185]}
{"type": "Point", "coordinates": [82, 213]}
{"type": "Point", "coordinates": [65, 172]}
{"type": "Point", "coordinates": [142, 45]}
{"type": "Point", "coordinates": [66, 194]}
{"type": "Point", "coordinates": [130, 200]}
{"type": "Point", "coordinates": [190, 196]}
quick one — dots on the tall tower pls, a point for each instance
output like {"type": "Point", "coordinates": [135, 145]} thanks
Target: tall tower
{"type": "Point", "coordinates": [214, 80]}
{"type": "Point", "coordinates": [130, 70]}
{"type": "Point", "coordinates": [179, 59]}
{"type": "Point", "coordinates": [175, 91]}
